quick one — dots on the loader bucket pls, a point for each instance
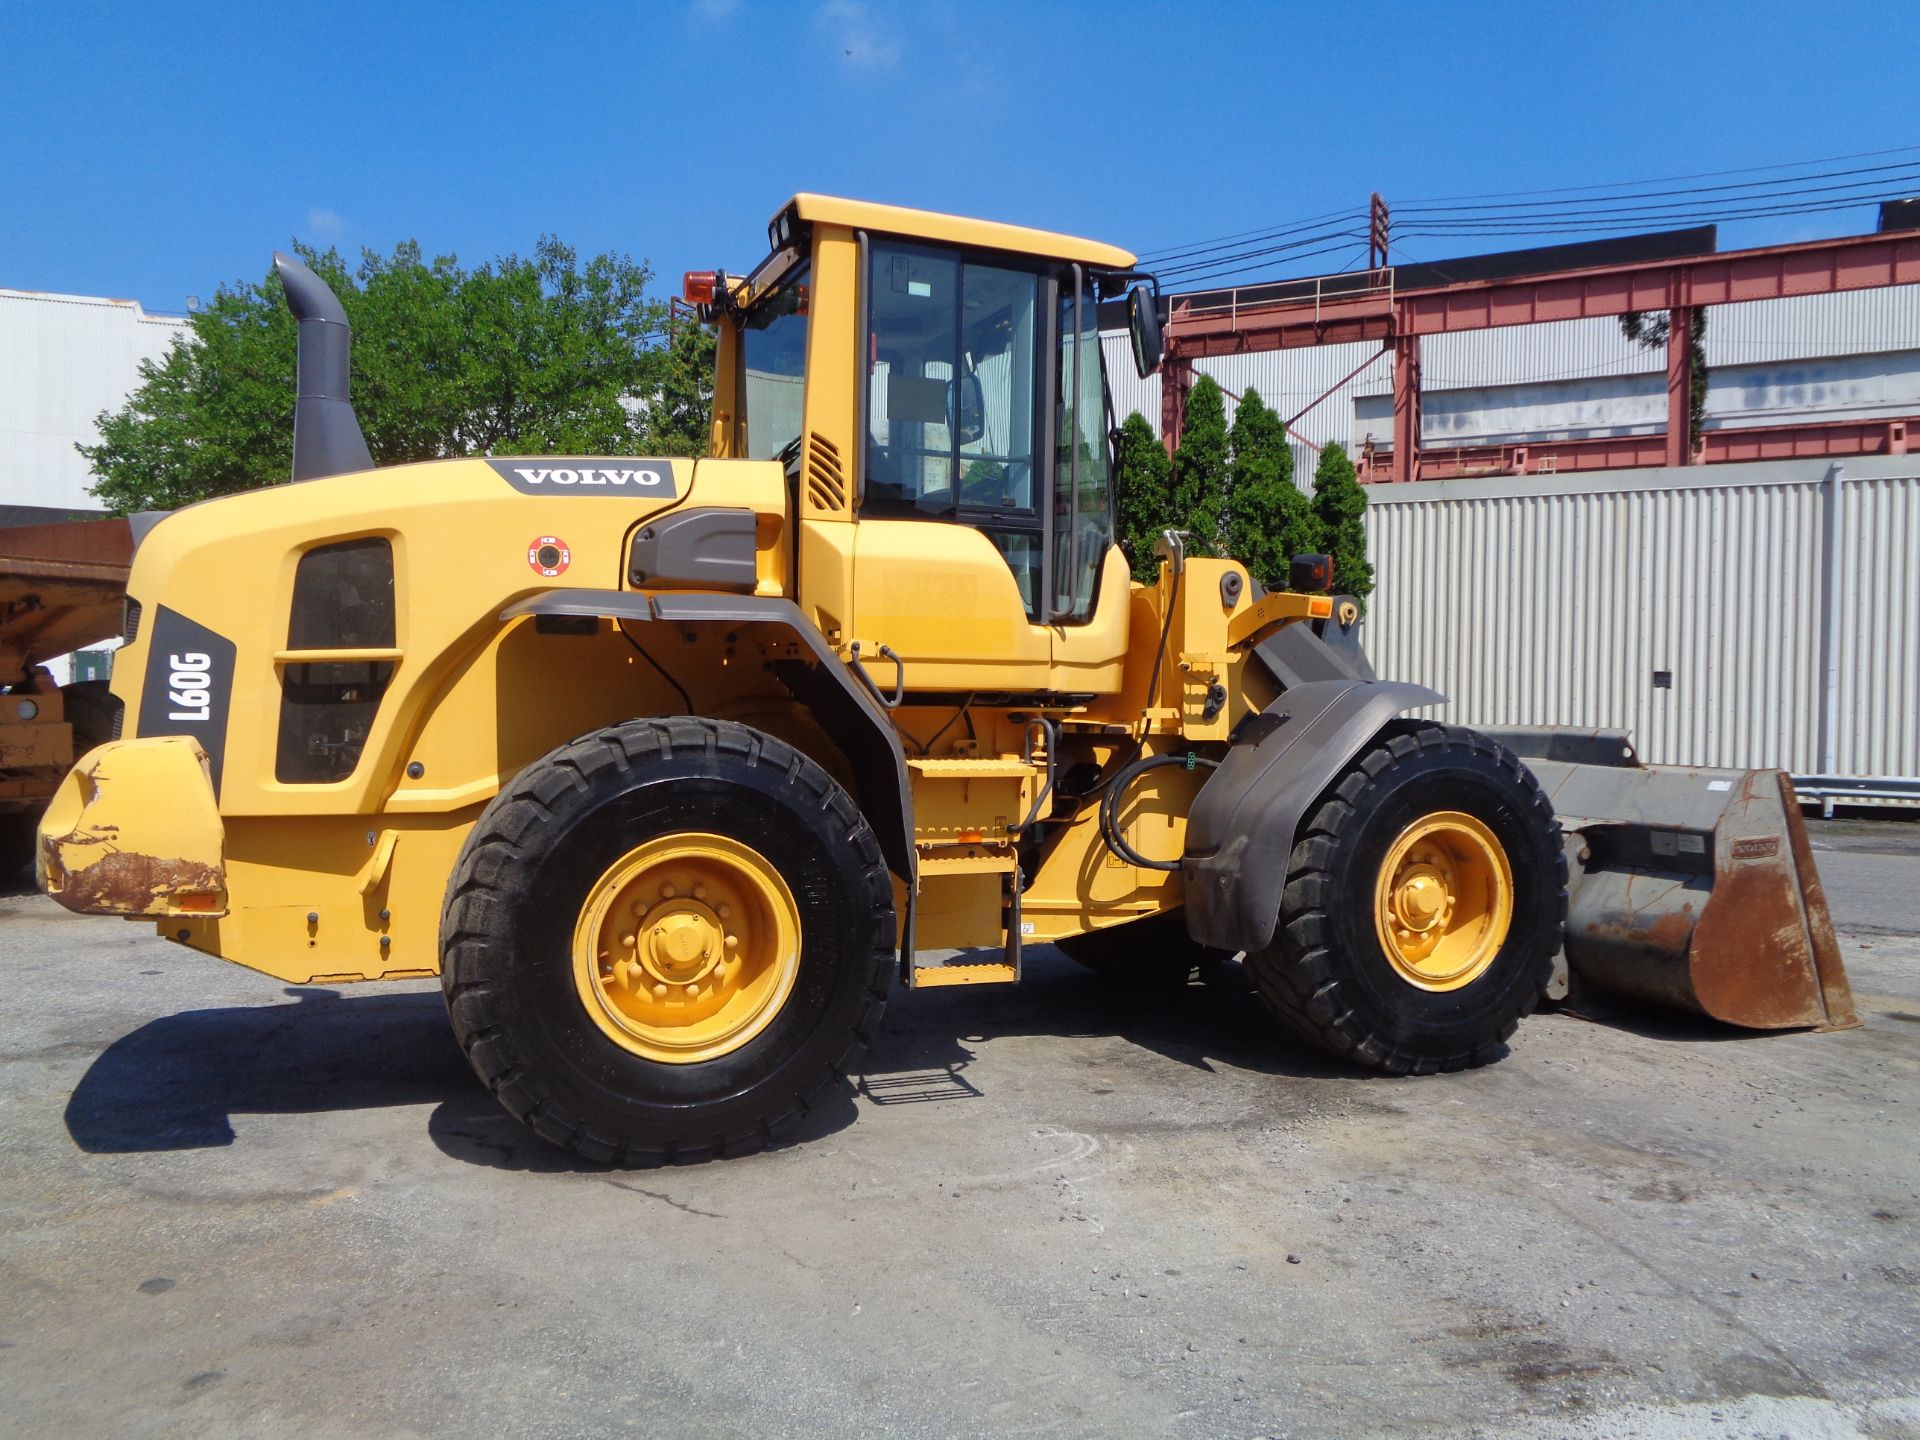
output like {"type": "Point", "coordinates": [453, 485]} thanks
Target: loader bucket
{"type": "Point", "coordinates": [1690, 888]}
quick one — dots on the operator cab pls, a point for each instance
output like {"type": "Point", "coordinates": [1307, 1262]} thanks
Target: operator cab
{"type": "Point", "coordinates": [972, 448]}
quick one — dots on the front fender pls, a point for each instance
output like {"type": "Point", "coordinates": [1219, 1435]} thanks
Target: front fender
{"type": "Point", "coordinates": [1241, 831]}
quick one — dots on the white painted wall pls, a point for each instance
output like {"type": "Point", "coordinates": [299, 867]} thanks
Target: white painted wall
{"type": "Point", "coordinates": [64, 359]}
{"type": "Point", "coordinates": [1843, 387]}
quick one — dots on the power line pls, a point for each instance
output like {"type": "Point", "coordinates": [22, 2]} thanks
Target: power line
{"type": "Point", "coordinates": [1216, 276]}
{"type": "Point", "coordinates": [1181, 249]}
{"type": "Point", "coordinates": [1909, 169]}
{"type": "Point", "coordinates": [1668, 179]}
{"type": "Point", "coordinates": [1248, 256]}
{"type": "Point", "coordinates": [1581, 209]}
{"type": "Point", "coordinates": [1551, 226]}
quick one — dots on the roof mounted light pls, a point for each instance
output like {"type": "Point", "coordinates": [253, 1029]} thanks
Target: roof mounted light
{"type": "Point", "coordinates": [700, 287]}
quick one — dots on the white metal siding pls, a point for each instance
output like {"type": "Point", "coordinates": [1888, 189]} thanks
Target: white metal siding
{"type": "Point", "coordinates": [1552, 600]}
{"type": "Point", "coordinates": [1879, 731]}
{"type": "Point", "coordinates": [64, 359]}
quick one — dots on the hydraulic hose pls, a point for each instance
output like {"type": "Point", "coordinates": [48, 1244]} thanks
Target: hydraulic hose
{"type": "Point", "coordinates": [1116, 790]}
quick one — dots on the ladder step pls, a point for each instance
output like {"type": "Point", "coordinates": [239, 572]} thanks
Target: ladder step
{"type": "Point", "coordinates": [989, 973]}
{"type": "Point", "coordinates": [973, 769]}
{"type": "Point", "coordinates": [976, 864]}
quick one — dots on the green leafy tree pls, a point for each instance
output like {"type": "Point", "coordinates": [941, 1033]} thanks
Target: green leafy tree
{"type": "Point", "coordinates": [1268, 520]}
{"type": "Point", "coordinates": [1339, 502]}
{"type": "Point", "coordinates": [1200, 469]}
{"type": "Point", "coordinates": [516, 356]}
{"type": "Point", "coordinates": [1145, 496]}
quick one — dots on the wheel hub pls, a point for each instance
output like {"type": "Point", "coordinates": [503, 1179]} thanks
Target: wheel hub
{"type": "Point", "coordinates": [1443, 901]}
{"type": "Point", "coordinates": [1421, 902]}
{"type": "Point", "coordinates": [680, 945]}
{"type": "Point", "coordinates": [687, 947]}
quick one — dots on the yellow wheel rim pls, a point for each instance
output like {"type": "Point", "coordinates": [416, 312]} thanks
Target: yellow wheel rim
{"type": "Point", "coordinates": [687, 947]}
{"type": "Point", "coordinates": [1443, 902]}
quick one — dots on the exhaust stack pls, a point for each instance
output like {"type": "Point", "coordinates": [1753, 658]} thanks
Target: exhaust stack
{"type": "Point", "coordinates": [326, 436]}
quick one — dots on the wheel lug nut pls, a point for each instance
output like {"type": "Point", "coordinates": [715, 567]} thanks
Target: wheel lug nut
{"type": "Point", "coordinates": [659, 991]}
{"type": "Point", "coordinates": [699, 892]}
{"type": "Point", "coordinates": [667, 892]}
{"type": "Point", "coordinates": [733, 942]}
{"type": "Point", "coordinates": [626, 941]}
{"type": "Point", "coordinates": [693, 989]}
{"type": "Point", "coordinates": [721, 911]}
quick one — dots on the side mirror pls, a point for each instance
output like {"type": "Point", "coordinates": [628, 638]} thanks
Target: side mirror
{"type": "Point", "coordinates": [1143, 325]}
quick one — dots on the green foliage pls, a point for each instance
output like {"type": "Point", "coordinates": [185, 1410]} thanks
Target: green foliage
{"type": "Point", "coordinates": [1268, 520]}
{"type": "Point", "coordinates": [517, 356]}
{"type": "Point", "coordinates": [1338, 503]}
{"type": "Point", "coordinates": [1145, 494]}
{"type": "Point", "coordinates": [1200, 470]}
{"type": "Point", "coordinates": [1650, 333]}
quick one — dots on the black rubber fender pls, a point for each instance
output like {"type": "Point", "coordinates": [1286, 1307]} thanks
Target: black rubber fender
{"type": "Point", "coordinates": [1247, 816]}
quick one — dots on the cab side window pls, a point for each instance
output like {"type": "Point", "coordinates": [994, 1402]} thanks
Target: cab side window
{"type": "Point", "coordinates": [773, 351]}
{"type": "Point", "coordinates": [955, 364]}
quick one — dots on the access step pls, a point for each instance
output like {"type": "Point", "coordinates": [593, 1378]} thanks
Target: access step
{"type": "Point", "coordinates": [992, 972]}
{"type": "Point", "coordinates": [1005, 971]}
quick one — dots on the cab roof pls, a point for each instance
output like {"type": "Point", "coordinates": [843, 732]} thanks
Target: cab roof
{"type": "Point", "coordinates": [956, 230]}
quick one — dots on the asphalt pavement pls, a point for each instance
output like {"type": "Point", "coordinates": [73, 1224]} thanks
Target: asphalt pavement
{"type": "Point", "coordinates": [232, 1207]}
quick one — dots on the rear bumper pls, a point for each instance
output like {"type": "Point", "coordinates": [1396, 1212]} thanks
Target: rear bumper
{"type": "Point", "coordinates": [134, 830]}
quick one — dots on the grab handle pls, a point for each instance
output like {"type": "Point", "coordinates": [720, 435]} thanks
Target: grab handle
{"type": "Point", "coordinates": [899, 676]}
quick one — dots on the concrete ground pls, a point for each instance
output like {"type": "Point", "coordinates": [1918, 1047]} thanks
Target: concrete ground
{"type": "Point", "coordinates": [231, 1208]}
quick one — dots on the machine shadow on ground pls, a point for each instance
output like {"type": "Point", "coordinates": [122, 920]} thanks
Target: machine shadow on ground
{"type": "Point", "coordinates": [176, 1083]}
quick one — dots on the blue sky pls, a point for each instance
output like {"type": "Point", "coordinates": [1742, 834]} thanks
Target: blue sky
{"type": "Point", "coordinates": [154, 150]}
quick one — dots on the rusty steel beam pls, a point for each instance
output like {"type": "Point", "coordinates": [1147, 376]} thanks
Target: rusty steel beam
{"type": "Point", "coordinates": [1176, 379]}
{"type": "Point", "coordinates": [1679, 447]}
{"type": "Point", "coordinates": [1829, 439]}
{"type": "Point", "coordinates": [1814, 267]}
{"type": "Point", "coordinates": [1406, 407]}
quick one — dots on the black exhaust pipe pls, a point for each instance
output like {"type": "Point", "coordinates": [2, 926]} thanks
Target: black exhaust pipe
{"type": "Point", "coordinates": [326, 436]}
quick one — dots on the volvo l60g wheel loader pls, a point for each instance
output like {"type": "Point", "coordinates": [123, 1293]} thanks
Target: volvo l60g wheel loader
{"type": "Point", "coordinates": [666, 766]}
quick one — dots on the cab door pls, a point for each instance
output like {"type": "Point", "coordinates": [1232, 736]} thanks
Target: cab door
{"type": "Point", "coordinates": [950, 550]}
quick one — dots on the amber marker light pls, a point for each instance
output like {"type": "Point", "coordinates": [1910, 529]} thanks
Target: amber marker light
{"type": "Point", "coordinates": [698, 287]}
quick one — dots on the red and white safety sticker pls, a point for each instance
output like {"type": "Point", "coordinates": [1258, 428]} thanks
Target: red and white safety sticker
{"type": "Point", "coordinates": [548, 556]}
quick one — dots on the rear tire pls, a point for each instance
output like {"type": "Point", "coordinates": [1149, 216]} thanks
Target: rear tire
{"type": "Point", "coordinates": [1154, 952]}
{"type": "Point", "coordinates": [1341, 971]}
{"type": "Point", "coordinates": [552, 1004]}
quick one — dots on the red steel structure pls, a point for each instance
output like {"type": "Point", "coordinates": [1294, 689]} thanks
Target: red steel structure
{"type": "Point", "coordinates": [1345, 309]}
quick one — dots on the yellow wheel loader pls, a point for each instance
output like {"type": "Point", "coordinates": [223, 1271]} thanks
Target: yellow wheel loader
{"type": "Point", "coordinates": [667, 767]}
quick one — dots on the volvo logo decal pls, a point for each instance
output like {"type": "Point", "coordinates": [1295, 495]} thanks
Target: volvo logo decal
{"type": "Point", "coordinates": [591, 475]}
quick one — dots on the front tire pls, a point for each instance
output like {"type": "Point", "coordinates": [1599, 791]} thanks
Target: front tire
{"type": "Point", "coordinates": [1425, 901]}
{"type": "Point", "coordinates": [754, 984]}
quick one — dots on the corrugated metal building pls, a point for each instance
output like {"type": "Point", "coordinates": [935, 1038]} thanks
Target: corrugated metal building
{"type": "Point", "coordinates": [1727, 615]}
{"type": "Point", "coordinates": [64, 359]}
{"type": "Point", "coordinates": [1853, 355]}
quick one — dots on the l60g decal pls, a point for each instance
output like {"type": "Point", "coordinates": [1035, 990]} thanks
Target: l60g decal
{"type": "Point", "coordinates": [189, 685]}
